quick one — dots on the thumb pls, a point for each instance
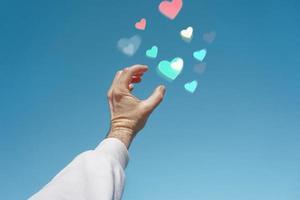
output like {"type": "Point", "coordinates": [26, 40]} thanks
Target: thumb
{"type": "Point", "coordinates": [155, 98]}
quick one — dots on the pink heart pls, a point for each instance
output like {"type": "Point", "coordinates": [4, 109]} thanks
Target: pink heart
{"type": "Point", "coordinates": [170, 8]}
{"type": "Point", "coordinates": [141, 25]}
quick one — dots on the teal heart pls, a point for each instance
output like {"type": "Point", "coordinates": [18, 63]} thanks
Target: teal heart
{"type": "Point", "coordinates": [191, 86]}
{"type": "Point", "coordinates": [200, 55]}
{"type": "Point", "coordinates": [152, 53]}
{"type": "Point", "coordinates": [168, 72]}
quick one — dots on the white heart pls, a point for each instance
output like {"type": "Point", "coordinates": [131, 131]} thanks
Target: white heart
{"type": "Point", "coordinates": [177, 64]}
{"type": "Point", "coordinates": [129, 50]}
{"type": "Point", "coordinates": [187, 33]}
{"type": "Point", "coordinates": [129, 45]}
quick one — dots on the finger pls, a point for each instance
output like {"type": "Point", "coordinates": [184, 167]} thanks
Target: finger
{"type": "Point", "coordinates": [139, 74]}
{"type": "Point", "coordinates": [117, 76]}
{"type": "Point", "coordinates": [131, 87]}
{"type": "Point", "coordinates": [155, 98]}
{"type": "Point", "coordinates": [127, 74]}
{"type": "Point", "coordinates": [136, 79]}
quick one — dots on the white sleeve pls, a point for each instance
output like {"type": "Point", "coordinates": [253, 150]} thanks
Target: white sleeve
{"type": "Point", "coordinates": [94, 175]}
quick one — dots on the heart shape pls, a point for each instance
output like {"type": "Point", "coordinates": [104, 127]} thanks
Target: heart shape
{"type": "Point", "coordinates": [177, 64]}
{"type": "Point", "coordinates": [187, 34]}
{"type": "Point", "coordinates": [170, 70]}
{"type": "Point", "coordinates": [191, 86]}
{"type": "Point", "coordinates": [200, 68]}
{"type": "Point", "coordinates": [170, 8]}
{"type": "Point", "coordinates": [209, 37]}
{"type": "Point", "coordinates": [200, 55]}
{"type": "Point", "coordinates": [129, 50]}
{"type": "Point", "coordinates": [141, 25]}
{"type": "Point", "coordinates": [129, 45]}
{"type": "Point", "coordinates": [152, 53]}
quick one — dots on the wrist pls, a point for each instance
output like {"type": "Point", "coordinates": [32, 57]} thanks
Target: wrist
{"type": "Point", "coordinates": [123, 134]}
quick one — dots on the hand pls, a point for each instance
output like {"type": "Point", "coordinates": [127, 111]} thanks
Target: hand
{"type": "Point", "coordinates": [128, 113]}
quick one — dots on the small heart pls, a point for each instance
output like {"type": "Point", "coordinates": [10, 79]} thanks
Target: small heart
{"type": "Point", "coordinates": [129, 45]}
{"type": "Point", "coordinates": [200, 55]}
{"type": "Point", "coordinates": [170, 70]}
{"type": "Point", "coordinates": [200, 68]}
{"type": "Point", "coordinates": [209, 37]}
{"type": "Point", "coordinates": [141, 25]}
{"type": "Point", "coordinates": [152, 53]}
{"type": "Point", "coordinates": [129, 50]}
{"type": "Point", "coordinates": [187, 34]}
{"type": "Point", "coordinates": [170, 8]}
{"type": "Point", "coordinates": [177, 64]}
{"type": "Point", "coordinates": [191, 86]}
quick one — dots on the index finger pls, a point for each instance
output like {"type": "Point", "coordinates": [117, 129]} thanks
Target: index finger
{"type": "Point", "coordinates": [126, 75]}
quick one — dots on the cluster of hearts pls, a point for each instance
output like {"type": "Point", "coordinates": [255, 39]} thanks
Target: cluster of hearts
{"type": "Point", "coordinates": [169, 70]}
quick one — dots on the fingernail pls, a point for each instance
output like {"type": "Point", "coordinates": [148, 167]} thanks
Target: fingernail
{"type": "Point", "coordinates": [162, 88]}
{"type": "Point", "coordinates": [146, 67]}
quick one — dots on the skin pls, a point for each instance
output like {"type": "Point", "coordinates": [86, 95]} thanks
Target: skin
{"type": "Point", "coordinates": [128, 113]}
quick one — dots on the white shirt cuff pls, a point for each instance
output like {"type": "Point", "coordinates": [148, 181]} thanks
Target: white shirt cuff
{"type": "Point", "coordinates": [116, 149]}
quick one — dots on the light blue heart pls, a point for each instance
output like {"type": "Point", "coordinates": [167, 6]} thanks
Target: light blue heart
{"type": "Point", "coordinates": [165, 70]}
{"type": "Point", "coordinates": [200, 55]}
{"type": "Point", "coordinates": [152, 53]}
{"type": "Point", "coordinates": [191, 86]}
{"type": "Point", "coordinates": [129, 45]}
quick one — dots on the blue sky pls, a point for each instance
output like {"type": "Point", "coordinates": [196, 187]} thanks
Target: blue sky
{"type": "Point", "coordinates": [236, 137]}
